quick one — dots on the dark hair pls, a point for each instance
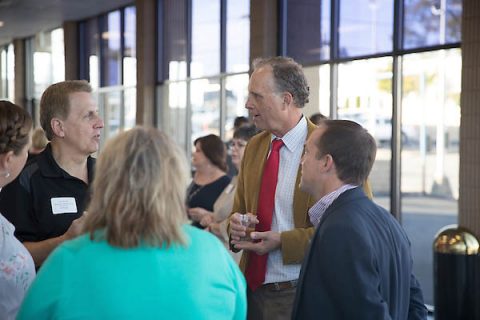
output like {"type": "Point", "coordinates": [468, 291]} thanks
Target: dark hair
{"type": "Point", "coordinates": [214, 149]}
{"type": "Point", "coordinates": [317, 118]}
{"type": "Point", "coordinates": [55, 102]}
{"type": "Point", "coordinates": [15, 126]}
{"type": "Point", "coordinates": [352, 148]}
{"type": "Point", "coordinates": [245, 133]}
{"type": "Point", "coordinates": [288, 76]}
{"type": "Point", "coordinates": [240, 121]}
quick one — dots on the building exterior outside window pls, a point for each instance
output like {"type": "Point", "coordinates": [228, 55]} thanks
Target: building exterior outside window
{"type": "Point", "coordinates": [203, 67]}
{"type": "Point", "coordinates": [108, 62]}
{"type": "Point", "coordinates": [7, 66]}
{"type": "Point", "coordinates": [368, 48]}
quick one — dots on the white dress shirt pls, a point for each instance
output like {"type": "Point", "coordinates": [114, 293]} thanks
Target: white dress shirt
{"type": "Point", "coordinates": [282, 220]}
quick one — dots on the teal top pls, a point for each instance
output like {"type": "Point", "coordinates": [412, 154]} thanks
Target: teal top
{"type": "Point", "coordinates": [85, 279]}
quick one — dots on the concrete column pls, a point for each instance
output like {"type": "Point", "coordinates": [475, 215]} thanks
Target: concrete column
{"type": "Point", "coordinates": [19, 71]}
{"type": "Point", "coordinates": [71, 41]}
{"type": "Point", "coordinates": [263, 28]}
{"type": "Point", "coordinates": [146, 33]}
{"type": "Point", "coordinates": [469, 198]}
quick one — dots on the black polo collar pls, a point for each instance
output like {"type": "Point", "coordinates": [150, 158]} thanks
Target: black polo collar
{"type": "Point", "coordinates": [50, 168]}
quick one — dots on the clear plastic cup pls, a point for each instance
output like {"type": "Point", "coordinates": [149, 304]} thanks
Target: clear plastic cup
{"type": "Point", "coordinates": [246, 221]}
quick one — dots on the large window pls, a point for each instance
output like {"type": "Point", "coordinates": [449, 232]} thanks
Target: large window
{"type": "Point", "coordinates": [430, 153]}
{"type": "Point", "coordinates": [319, 84]}
{"type": "Point", "coordinates": [409, 101]}
{"type": "Point", "coordinates": [109, 63]}
{"type": "Point", "coordinates": [174, 115]}
{"type": "Point", "coordinates": [7, 65]}
{"type": "Point", "coordinates": [203, 64]}
{"type": "Point", "coordinates": [130, 48]}
{"type": "Point", "coordinates": [429, 23]}
{"type": "Point", "coordinates": [44, 65]}
{"type": "Point", "coordinates": [205, 38]}
{"type": "Point", "coordinates": [205, 103]}
{"type": "Point", "coordinates": [172, 42]}
{"type": "Point", "coordinates": [110, 43]}
{"type": "Point", "coordinates": [365, 96]}
{"type": "Point", "coordinates": [91, 52]}
{"type": "Point", "coordinates": [48, 60]}
{"type": "Point", "coordinates": [235, 96]}
{"type": "Point", "coordinates": [238, 36]}
{"type": "Point", "coordinates": [366, 27]}
{"type": "Point", "coordinates": [308, 29]}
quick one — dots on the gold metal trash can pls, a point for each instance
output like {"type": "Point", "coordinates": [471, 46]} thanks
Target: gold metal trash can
{"type": "Point", "coordinates": [456, 274]}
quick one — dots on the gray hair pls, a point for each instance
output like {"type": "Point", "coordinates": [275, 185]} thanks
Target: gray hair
{"type": "Point", "coordinates": [288, 76]}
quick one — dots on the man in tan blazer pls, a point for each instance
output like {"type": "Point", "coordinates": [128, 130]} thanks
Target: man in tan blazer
{"type": "Point", "coordinates": [277, 92]}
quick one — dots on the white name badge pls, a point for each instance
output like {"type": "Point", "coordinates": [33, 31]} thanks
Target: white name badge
{"type": "Point", "coordinates": [229, 188]}
{"type": "Point", "coordinates": [63, 205]}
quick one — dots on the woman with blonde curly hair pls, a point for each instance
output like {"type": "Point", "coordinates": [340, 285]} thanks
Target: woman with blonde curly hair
{"type": "Point", "coordinates": [139, 259]}
{"type": "Point", "coordinates": [16, 265]}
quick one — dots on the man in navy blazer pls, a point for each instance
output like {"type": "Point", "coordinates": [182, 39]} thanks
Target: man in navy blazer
{"type": "Point", "coordinates": [359, 264]}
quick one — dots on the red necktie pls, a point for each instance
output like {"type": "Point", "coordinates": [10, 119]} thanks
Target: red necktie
{"type": "Point", "coordinates": [257, 265]}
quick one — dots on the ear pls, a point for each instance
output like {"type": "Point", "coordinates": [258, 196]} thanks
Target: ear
{"type": "Point", "coordinates": [57, 127]}
{"type": "Point", "coordinates": [328, 162]}
{"type": "Point", "coordinates": [287, 98]}
{"type": "Point", "coordinates": [6, 160]}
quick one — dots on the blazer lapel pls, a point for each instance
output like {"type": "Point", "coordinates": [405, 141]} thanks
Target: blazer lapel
{"type": "Point", "coordinates": [260, 155]}
{"type": "Point", "coordinates": [301, 200]}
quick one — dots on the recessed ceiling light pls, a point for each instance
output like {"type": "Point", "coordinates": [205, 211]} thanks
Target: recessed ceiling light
{"type": "Point", "coordinates": [1, 24]}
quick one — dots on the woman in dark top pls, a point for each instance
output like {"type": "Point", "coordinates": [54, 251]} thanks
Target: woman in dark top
{"type": "Point", "coordinates": [209, 180]}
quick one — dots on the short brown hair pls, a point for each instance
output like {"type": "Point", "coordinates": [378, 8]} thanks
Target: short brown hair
{"type": "Point", "coordinates": [15, 127]}
{"type": "Point", "coordinates": [55, 102]}
{"type": "Point", "coordinates": [214, 149]}
{"type": "Point", "coordinates": [352, 148]}
{"type": "Point", "coordinates": [139, 191]}
{"type": "Point", "coordinates": [288, 76]}
{"type": "Point", "coordinates": [317, 118]}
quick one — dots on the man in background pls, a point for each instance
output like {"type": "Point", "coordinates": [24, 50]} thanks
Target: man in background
{"type": "Point", "coordinates": [317, 118]}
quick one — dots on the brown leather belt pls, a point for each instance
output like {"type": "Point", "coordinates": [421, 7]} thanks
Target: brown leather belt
{"type": "Point", "coordinates": [279, 286]}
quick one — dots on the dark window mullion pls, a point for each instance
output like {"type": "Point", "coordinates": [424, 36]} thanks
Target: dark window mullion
{"type": "Point", "coordinates": [101, 65]}
{"type": "Point", "coordinates": [82, 51]}
{"type": "Point", "coordinates": [334, 32]}
{"type": "Point", "coordinates": [282, 27]}
{"type": "Point", "coordinates": [189, 36]}
{"type": "Point", "coordinates": [223, 65]}
{"type": "Point", "coordinates": [122, 44]}
{"type": "Point", "coordinates": [334, 44]}
{"type": "Point", "coordinates": [188, 131]}
{"type": "Point", "coordinates": [398, 19]}
{"type": "Point", "coordinates": [223, 36]}
{"type": "Point", "coordinates": [162, 72]}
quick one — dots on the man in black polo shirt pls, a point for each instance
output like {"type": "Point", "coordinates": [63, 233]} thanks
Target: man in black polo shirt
{"type": "Point", "coordinates": [48, 198]}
